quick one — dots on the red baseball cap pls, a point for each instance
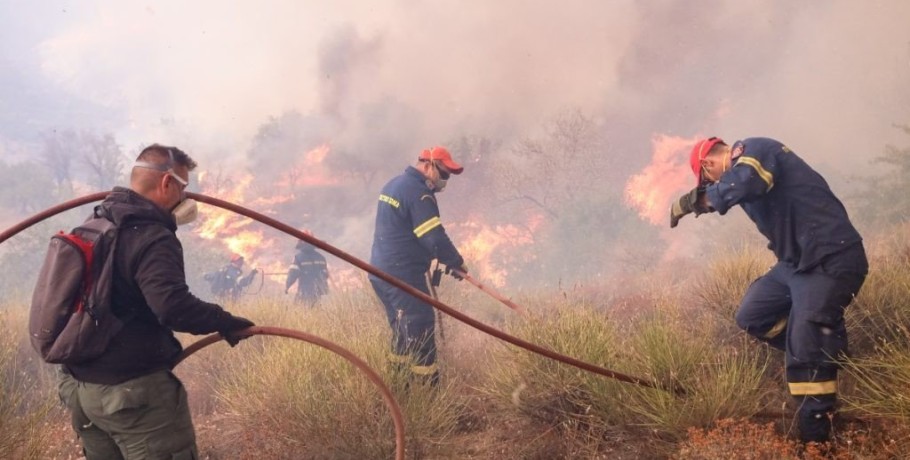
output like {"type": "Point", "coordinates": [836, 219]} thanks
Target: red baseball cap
{"type": "Point", "coordinates": [699, 152]}
{"type": "Point", "coordinates": [443, 156]}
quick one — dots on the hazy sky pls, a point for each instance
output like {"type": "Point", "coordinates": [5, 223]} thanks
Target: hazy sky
{"type": "Point", "coordinates": [380, 80]}
{"type": "Point", "coordinates": [827, 77]}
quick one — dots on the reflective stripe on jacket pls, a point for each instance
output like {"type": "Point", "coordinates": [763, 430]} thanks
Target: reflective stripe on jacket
{"type": "Point", "coordinates": [789, 202]}
{"type": "Point", "coordinates": [409, 233]}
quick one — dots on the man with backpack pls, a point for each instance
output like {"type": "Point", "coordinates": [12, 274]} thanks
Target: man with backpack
{"type": "Point", "coordinates": [126, 403]}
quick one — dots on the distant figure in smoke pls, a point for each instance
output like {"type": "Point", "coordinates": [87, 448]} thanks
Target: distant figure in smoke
{"type": "Point", "coordinates": [408, 236]}
{"type": "Point", "coordinates": [310, 272]}
{"type": "Point", "coordinates": [228, 282]}
{"type": "Point", "coordinates": [798, 306]}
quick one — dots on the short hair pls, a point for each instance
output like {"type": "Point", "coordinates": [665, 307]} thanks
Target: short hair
{"type": "Point", "coordinates": [162, 154]}
{"type": "Point", "coordinates": [716, 148]}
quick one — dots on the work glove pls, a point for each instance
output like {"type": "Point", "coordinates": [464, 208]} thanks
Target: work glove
{"type": "Point", "coordinates": [454, 271]}
{"type": "Point", "coordinates": [232, 334]}
{"type": "Point", "coordinates": [687, 204]}
{"type": "Point", "coordinates": [436, 277]}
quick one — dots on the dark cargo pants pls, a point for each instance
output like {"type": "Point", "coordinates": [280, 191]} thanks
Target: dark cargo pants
{"type": "Point", "coordinates": [802, 313]}
{"type": "Point", "coordinates": [413, 324]}
{"type": "Point", "coordinates": [143, 418]}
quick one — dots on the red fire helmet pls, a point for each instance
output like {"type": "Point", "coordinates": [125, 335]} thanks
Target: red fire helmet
{"type": "Point", "coordinates": [699, 152]}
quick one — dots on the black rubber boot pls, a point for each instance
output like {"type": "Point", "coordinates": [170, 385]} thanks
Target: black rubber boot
{"type": "Point", "coordinates": [814, 416]}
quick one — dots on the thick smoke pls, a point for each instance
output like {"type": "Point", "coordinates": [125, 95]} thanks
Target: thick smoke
{"type": "Point", "coordinates": [255, 87]}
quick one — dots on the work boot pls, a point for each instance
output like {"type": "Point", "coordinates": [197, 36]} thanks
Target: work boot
{"type": "Point", "coordinates": [422, 380]}
{"type": "Point", "coordinates": [814, 416]}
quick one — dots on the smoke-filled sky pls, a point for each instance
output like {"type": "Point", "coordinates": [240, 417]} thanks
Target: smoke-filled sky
{"type": "Point", "coordinates": [830, 77]}
{"type": "Point", "coordinates": [380, 80]}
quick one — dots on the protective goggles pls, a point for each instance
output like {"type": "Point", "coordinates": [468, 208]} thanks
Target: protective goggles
{"type": "Point", "coordinates": [167, 168]}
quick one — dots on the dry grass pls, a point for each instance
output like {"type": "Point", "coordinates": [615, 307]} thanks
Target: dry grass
{"type": "Point", "coordinates": [719, 382]}
{"type": "Point", "coordinates": [295, 400]}
{"type": "Point", "coordinates": [278, 398]}
{"type": "Point", "coordinates": [880, 328]}
{"type": "Point", "coordinates": [720, 288]}
{"type": "Point", "coordinates": [23, 411]}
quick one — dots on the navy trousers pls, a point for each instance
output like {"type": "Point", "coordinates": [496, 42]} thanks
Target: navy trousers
{"type": "Point", "coordinates": [802, 313]}
{"type": "Point", "coordinates": [413, 324]}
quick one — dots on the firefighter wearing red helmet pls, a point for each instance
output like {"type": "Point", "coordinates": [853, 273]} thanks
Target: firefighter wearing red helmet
{"type": "Point", "coordinates": [408, 236]}
{"type": "Point", "coordinates": [229, 282]}
{"type": "Point", "coordinates": [798, 306]}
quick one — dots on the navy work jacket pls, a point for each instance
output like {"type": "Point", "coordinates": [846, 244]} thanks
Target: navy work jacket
{"type": "Point", "coordinates": [789, 202]}
{"type": "Point", "coordinates": [409, 234]}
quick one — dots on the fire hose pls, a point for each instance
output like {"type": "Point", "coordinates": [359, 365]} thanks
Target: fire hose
{"type": "Point", "coordinates": [397, 418]}
{"type": "Point", "coordinates": [280, 226]}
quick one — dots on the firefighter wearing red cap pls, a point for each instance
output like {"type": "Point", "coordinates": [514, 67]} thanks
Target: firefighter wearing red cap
{"type": "Point", "coordinates": [408, 236]}
{"type": "Point", "coordinates": [798, 306]}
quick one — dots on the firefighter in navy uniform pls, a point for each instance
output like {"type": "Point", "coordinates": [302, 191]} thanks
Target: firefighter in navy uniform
{"type": "Point", "coordinates": [408, 236]}
{"type": "Point", "coordinates": [798, 306]}
{"type": "Point", "coordinates": [229, 282]}
{"type": "Point", "coordinates": [310, 272]}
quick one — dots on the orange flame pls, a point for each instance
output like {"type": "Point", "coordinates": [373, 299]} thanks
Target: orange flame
{"type": "Point", "coordinates": [310, 170]}
{"type": "Point", "coordinates": [223, 225]}
{"type": "Point", "coordinates": [489, 248]}
{"type": "Point", "coordinates": [651, 191]}
{"type": "Point", "coordinates": [238, 234]}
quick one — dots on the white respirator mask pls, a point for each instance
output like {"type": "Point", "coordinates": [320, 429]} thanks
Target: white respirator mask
{"type": "Point", "coordinates": [438, 186]}
{"type": "Point", "coordinates": [185, 212]}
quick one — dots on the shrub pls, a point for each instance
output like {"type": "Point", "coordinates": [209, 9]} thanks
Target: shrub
{"type": "Point", "coordinates": [881, 312]}
{"type": "Point", "coordinates": [680, 352]}
{"type": "Point", "coordinates": [722, 286]}
{"type": "Point", "coordinates": [719, 381]}
{"type": "Point", "coordinates": [882, 383]}
{"type": "Point", "coordinates": [23, 411]}
{"type": "Point", "coordinates": [305, 401]}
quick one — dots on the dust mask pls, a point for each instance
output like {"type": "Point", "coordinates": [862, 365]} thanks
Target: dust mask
{"type": "Point", "coordinates": [186, 211]}
{"type": "Point", "coordinates": [439, 185]}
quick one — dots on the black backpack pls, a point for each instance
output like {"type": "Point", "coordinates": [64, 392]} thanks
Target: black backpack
{"type": "Point", "coordinates": [70, 320]}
